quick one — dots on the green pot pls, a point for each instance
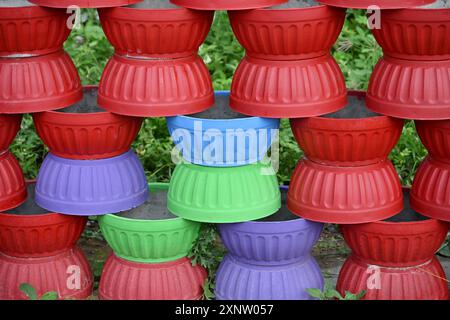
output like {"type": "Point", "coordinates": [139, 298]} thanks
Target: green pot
{"type": "Point", "coordinates": [223, 195]}
{"type": "Point", "coordinates": [163, 239]}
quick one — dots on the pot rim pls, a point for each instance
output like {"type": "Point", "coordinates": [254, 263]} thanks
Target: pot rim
{"type": "Point", "coordinates": [352, 5]}
{"type": "Point", "coordinates": [132, 14]}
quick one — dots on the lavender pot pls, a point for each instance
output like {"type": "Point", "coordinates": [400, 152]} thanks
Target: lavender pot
{"type": "Point", "coordinates": [91, 187]}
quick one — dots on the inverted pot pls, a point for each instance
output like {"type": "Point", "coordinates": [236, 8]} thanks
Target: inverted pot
{"type": "Point", "coordinates": [345, 195]}
{"type": "Point", "coordinates": [344, 140]}
{"type": "Point", "coordinates": [39, 83]}
{"type": "Point", "coordinates": [435, 135]}
{"type": "Point", "coordinates": [86, 136]}
{"type": "Point", "coordinates": [50, 274]}
{"type": "Point", "coordinates": [155, 88]}
{"type": "Point", "coordinates": [176, 280]}
{"type": "Point", "coordinates": [381, 4]}
{"type": "Point", "coordinates": [230, 142]}
{"type": "Point", "coordinates": [84, 3]}
{"type": "Point", "coordinates": [226, 4]}
{"type": "Point", "coordinates": [13, 191]}
{"type": "Point", "coordinates": [223, 195]}
{"type": "Point", "coordinates": [288, 89]}
{"type": "Point", "coordinates": [9, 127]}
{"type": "Point", "coordinates": [150, 241]}
{"type": "Point", "coordinates": [91, 187]}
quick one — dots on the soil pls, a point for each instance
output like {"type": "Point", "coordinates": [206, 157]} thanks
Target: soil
{"type": "Point", "coordinates": [153, 209]}
{"type": "Point", "coordinates": [297, 4]}
{"type": "Point", "coordinates": [153, 4]}
{"type": "Point", "coordinates": [15, 3]}
{"type": "Point", "coordinates": [87, 105]}
{"type": "Point", "coordinates": [440, 4]}
{"type": "Point", "coordinates": [29, 207]}
{"type": "Point", "coordinates": [355, 109]}
{"type": "Point", "coordinates": [220, 110]}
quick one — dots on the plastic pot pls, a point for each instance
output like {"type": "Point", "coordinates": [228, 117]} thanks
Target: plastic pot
{"type": "Point", "coordinates": [83, 3]}
{"type": "Point", "coordinates": [31, 30]}
{"type": "Point", "coordinates": [223, 195]}
{"type": "Point", "coordinates": [13, 191]}
{"type": "Point", "coordinates": [45, 275]}
{"type": "Point", "coordinates": [435, 136]}
{"type": "Point", "coordinates": [345, 195]}
{"type": "Point", "coordinates": [226, 4]}
{"type": "Point", "coordinates": [150, 233]}
{"type": "Point", "coordinates": [228, 139]}
{"type": "Point", "coordinates": [84, 131]}
{"type": "Point", "coordinates": [54, 78]}
{"type": "Point", "coordinates": [91, 187]}
{"type": "Point", "coordinates": [9, 127]}
{"type": "Point", "coordinates": [381, 4]}
{"type": "Point", "coordinates": [155, 88]}
{"type": "Point", "coordinates": [288, 89]}
{"type": "Point", "coordinates": [176, 280]}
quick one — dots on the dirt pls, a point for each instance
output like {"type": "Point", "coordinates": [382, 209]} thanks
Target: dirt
{"type": "Point", "coordinates": [355, 109]}
{"type": "Point", "coordinates": [220, 110]}
{"type": "Point", "coordinates": [153, 209]}
{"type": "Point", "coordinates": [297, 4]}
{"type": "Point", "coordinates": [153, 4]}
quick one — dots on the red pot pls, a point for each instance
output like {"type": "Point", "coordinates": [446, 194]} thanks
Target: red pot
{"type": "Point", "coordinates": [13, 191]}
{"type": "Point", "coordinates": [418, 90]}
{"type": "Point", "coordinates": [348, 139]}
{"type": "Point", "coordinates": [345, 195]}
{"type": "Point", "coordinates": [288, 89]}
{"type": "Point", "coordinates": [424, 282]}
{"type": "Point", "coordinates": [155, 88]}
{"type": "Point", "coordinates": [9, 127]}
{"type": "Point", "coordinates": [83, 3]}
{"type": "Point", "coordinates": [288, 34]}
{"type": "Point", "coordinates": [382, 4]}
{"type": "Point", "coordinates": [157, 33]}
{"type": "Point", "coordinates": [45, 275]}
{"type": "Point", "coordinates": [126, 280]}
{"type": "Point", "coordinates": [226, 4]}
{"type": "Point", "coordinates": [435, 135]}
{"type": "Point", "coordinates": [39, 83]}
{"type": "Point", "coordinates": [76, 134]}
{"type": "Point", "coordinates": [32, 30]}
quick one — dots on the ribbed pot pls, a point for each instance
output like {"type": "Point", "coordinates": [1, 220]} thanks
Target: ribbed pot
{"type": "Point", "coordinates": [382, 4]}
{"type": "Point", "coordinates": [158, 238]}
{"type": "Point", "coordinates": [126, 280]}
{"type": "Point", "coordinates": [156, 33]}
{"type": "Point", "coordinates": [85, 132]}
{"type": "Point", "coordinates": [226, 4]}
{"type": "Point", "coordinates": [13, 191]}
{"type": "Point", "coordinates": [68, 274]}
{"type": "Point", "coordinates": [223, 195]}
{"type": "Point", "coordinates": [288, 34]}
{"type": "Point", "coordinates": [39, 83]}
{"type": "Point", "coordinates": [435, 135]}
{"type": "Point", "coordinates": [91, 187]}
{"type": "Point", "coordinates": [350, 137]}
{"type": "Point", "coordinates": [9, 127]}
{"type": "Point", "coordinates": [83, 3]}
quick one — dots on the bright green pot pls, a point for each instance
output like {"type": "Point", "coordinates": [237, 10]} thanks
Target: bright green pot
{"type": "Point", "coordinates": [153, 235]}
{"type": "Point", "coordinates": [223, 195]}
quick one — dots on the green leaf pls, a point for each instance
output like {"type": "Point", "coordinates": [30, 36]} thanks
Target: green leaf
{"type": "Point", "coordinates": [315, 293]}
{"type": "Point", "coordinates": [29, 291]}
{"type": "Point", "coordinates": [50, 296]}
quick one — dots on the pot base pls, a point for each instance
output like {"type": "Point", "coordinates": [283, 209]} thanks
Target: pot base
{"type": "Point", "coordinates": [13, 190]}
{"type": "Point", "coordinates": [83, 3]}
{"type": "Point", "coordinates": [226, 4]}
{"type": "Point", "coordinates": [381, 4]}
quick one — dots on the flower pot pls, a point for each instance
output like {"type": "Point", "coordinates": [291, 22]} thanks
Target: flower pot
{"type": "Point", "coordinates": [13, 191]}
{"type": "Point", "coordinates": [435, 135]}
{"type": "Point", "coordinates": [223, 195]}
{"type": "Point", "coordinates": [353, 136]}
{"type": "Point", "coordinates": [381, 4]}
{"type": "Point", "coordinates": [150, 233]}
{"type": "Point", "coordinates": [227, 138]}
{"type": "Point", "coordinates": [54, 78]}
{"type": "Point", "coordinates": [83, 3]}
{"type": "Point", "coordinates": [226, 4]}
{"type": "Point", "coordinates": [126, 280]}
{"type": "Point", "coordinates": [29, 231]}
{"type": "Point", "coordinates": [91, 187]}
{"type": "Point", "coordinates": [29, 30]}
{"type": "Point", "coordinates": [46, 274]}
{"type": "Point", "coordinates": [84, 131]}
{"type": "Point", "coordinates": [156, 87]}
{"type": "Point", "coordinates": [9, 127]}
{"type": "Point", "coordinates": [345, 195]}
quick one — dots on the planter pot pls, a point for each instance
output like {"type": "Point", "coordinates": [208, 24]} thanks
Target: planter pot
{"type": "Point", "coordinates": [84, 131]}
{"type": "Point", "coordinates": [85, 187]}
{"type": "Point", "coordinates": [153, 32]}
{"type": "Point", "coordinates": [345, 195]}
{"type": "Point", "coordinates": [351, 137]}
{"type": "Point", "coordinates": [155, 88]}
{"type": "Point", "coordinates": [45, 275]}
{"type": "Point", "coordinates": [227, 138]}
{"type": "Point", "coordinates": [13, 191]}
{"type": "Point", "coordinates": [223, 195]}
{"type": "Point", "coordinates": [9, 127]}
{"type": "Point", "coordinates": [177, 280]}
{"type": "Point", "coordinates": [382, 4]}
{"type": "Point", "coordinates": [29, 30]}
{"type": "Point", "coordinates": [288, 89]}
{"type": "Point", "coordinates": [435, 136]}
{"type": "Point", "coordinates": [226, 4]}
{"type": "Point", "coordinates": [150, 233]}
{"type": "Point", "coordinates": [55, 80]}
{"type": "Point", "coordinates": [83, 3]}
{"type": "Point", "coordinates": [29, 231]}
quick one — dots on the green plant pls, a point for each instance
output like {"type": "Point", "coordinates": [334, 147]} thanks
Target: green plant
{"type": "Point", "coordinates": [31, 293]}
{"type": "Point", "coordinates": [329, 293]}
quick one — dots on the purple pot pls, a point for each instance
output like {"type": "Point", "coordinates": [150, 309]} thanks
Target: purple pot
{"type": "Point", "coordinates": [91, 187]}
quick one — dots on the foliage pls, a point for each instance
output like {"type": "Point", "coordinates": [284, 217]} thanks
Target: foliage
{"type": "Point", "coordinates": [329, 293]}
{"type": "Point", "coordinates": [31, 293]}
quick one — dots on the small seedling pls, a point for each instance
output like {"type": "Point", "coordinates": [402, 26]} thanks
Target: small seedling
{"type": "Point", "coordinates": [31, 293]}
{"type": "Point", "coordinates": [329, 293]}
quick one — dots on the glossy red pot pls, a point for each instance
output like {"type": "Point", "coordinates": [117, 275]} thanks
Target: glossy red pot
{"type": "Point", "coordinates": [350, 137]}
{"type": "Point", "coordinates": [86, 132]}
{"type": "Point", "coordinates": [435, 135]}
{"type": "Point", "coordinates": [9, 127]}
{"type": "Point", "coordinates": [345, 195]}
{"type": "Point", "coordinates": [382, 4]}
{"type": "Point", "coordinates": [32, 30]}
{"type": "Point", "coordinates": [68, 274]}
{"type": "Point", "coordinates": [226, 4]}
{"type": "Point", "coordinates": [155, 88]}
{"type": "Point", "coordinates": [126, 280]}
{"type": "Point", "coordinates": [13, 191]}
{"type": "Point", "coordinates": [288, 89]}
{"type": "Point", "coordinates": [157, 33]}
{"type": "Point", "coordinates": [83, 3]}
{"type": "Point", "coordinates": [38, 84]}
{"type": "Point", "coordinates": [288, 34]}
